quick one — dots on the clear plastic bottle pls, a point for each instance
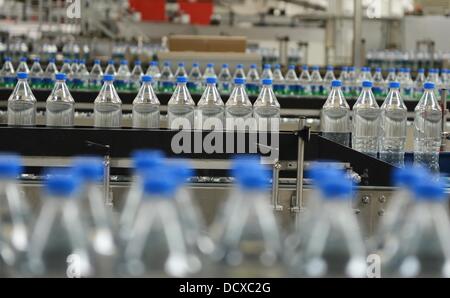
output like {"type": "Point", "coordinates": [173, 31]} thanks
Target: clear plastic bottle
{"type": "Point", "coordinates": [239, 73]}
{"type": "Point", "coordinates": [253, 80]}
{"type": "Point", "coordinates": [181, 70]}
{"type": "Point", "coordinates": [7, 74]}
{"type": "Point", "coordinates": [110, 68]}
{"type": "Point", "coordinates": [366, 122]}
{"type": "Point", "coordinates": [195, 79]}
{"type": "Point", "coordinates": [60, 106]}
{"type": "Point", "coordinates": [224, 79]}
{"type": "Point", "coordinates": [364, 75]}
{"type": "Point", "coordinates": [23, 66]}
{"type": "Point", "coordinates": [59, 244]}
{"type": "Point", "coordinates": [210, 108]}
{"type": "Point", "coordinates": [155, 73]}
{"type": "Point", "coordinates": [136, 75]}
{"type": "Point", "coordinates": [67, 70]}
{"type": "Point", "coordinates": [246, 231]}
{"type": "Point", "coordinates": [379, 85]}
{"type": "Point", "coordinates": [81, 77]}
{"type": "Point", "coordinates": [406, 84]}
{"type": "Point", "coordinates": [352, 83]}
{"type": "Point", "coordinates": [344, 77]}
{"type": "Point", "coordinates": [266, 109]}
{"type": "Point", "coordinates": [96, 75]}
{"type": "Point", "coordinates": [209, 72]}
{"type": "Point", "coordinates": [427, 130]}
{"type": "Point", "coordinates": [181, 107]}
{"type": "Point", "coordinates": [328, 78]}
{"type": "Point", "coordinates": [22, 103]}
{"type": "Point", "coordinates": [316, 81]}
{"type": "Point", "coordinates": [146, 106]}
{"type": "Point", "coordinates": [279, 84]}
{"type": "Point", "coordinates": [335, 116]}
{"type": "Point", "coordinates": [267, 72]}
{"type": "Point", "coordinates": [74, 66]}
{"type": "Point", "coordinates": [157, 246]}
{"type": "Point", "coordinates": [49, 74]}
{"type": "Point", "coordinates": [305, 81]}
{"type": "Point", "coordinates": [238, 105]}
{"type": "Point", "coordinates": [107, 105]}
{"type": "Point", "coordinates": [166, 80]}
{"type": "Point", "coordinates": [292, 83]}
{"type": "Point", "coordinates": [391, 77]}
{"type": "Point", "coordinates": [36, 74]}
{"type": "Point", "coordinates": [393, 127]}
{"type": "Point", "coordinates": [123, 76]}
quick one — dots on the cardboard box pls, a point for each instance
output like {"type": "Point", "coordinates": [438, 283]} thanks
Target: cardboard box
{"type": "Point", "coordinates": [205, 43]}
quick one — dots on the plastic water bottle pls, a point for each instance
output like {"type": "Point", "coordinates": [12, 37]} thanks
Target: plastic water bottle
{"type": "Point", "coordinates": [23, 66]}
{"type": "Point", "coordinates": [239, 73]}
{"type": "Point", "coordinates": [335, 116]}
{"type": "Point", "coordinates": [166, 80]}
{"type": "Point", "coordinates": [195, 79]}
{"type": "Point", "coordinates": [335, 245]}
{"type": "Point", "coordinates": [393, 127]}
{"type": "Point", "coordinates": [266, 109]}
{"type": "Point", "coordinates": [345, 79]}
{"type": "Point", "coordinates": [316, 81]}
{"type": "Point", "coordinates": [157, 244]}
{"type": "Point", "coordinates": [49, 74]}
{"type": "Point", "coordinates": [391, 77]}
{"type": "Point", "coordinates": [67, 70]}
{"type": "Point", "coordinates": [267, 72]}
{"type": "Point", "coordinates": [292, 83]}
{"type": "Point", "coordinates": [155, 73]}
{"type": "Point", "coordinates": [96, 75]}
{"type": "Point", "coordinates": [253, 80]}
{"type": "Point", "coordinates": [136, 75]}
{"type": "Point", "coordinates": [246, 232]}
{"type": "Point", "coordinates": [427, 130]}
{"type": "Point", "coordinates": [180, 108]}
{"type": "Point", "coordinates": [146, 106]}
{"type": "Point", "coordinates": [181, 71]}
{"type": "Point", "coordinates": [352, 83]}
{"type": "Point", "coordinates": [279, 84]}
{"type": "Point", "coordinates": [36, 74]}
{"type": "Point", "coordinates": [209, 72]}
{"type": "Point", "coordinates": [15, 218]}
{"type": "Point", "coordinates": [305, 81]}
{"type": "Point", "coordinates": [418, 83]}
{"type": "Point", "coordinates": [74, 66]}
{"type": "Point", "coordinates": [60, 106]}
{"type": "Point", "coordinates": [406, 84]}
{"type": "Point", "coordinates": [107, 105]}
{"type": "Point", "coordinates": [328, 78]}
{"type": "Point", "coordinates": [379, 85]}
{"type": "Point", "coordinates": [110, 68]}
{"type": "Point", "coordinates": [59, 240]}
{"type": "Point", "coordinates": [7, 74]}
{"type": "Point", "coordinates": [210, 107]}
{"type": "Point", "coordinates": [366, 122]}
{"type": "Point", "coordinates": [433, 76]}
{"type": "Point", "coordinates": [224, 79]}
{"type": "Point", "coordinates": [95, 214]}
{"type": "Point", "coordinates": [22, 103]}
{"type": "Point", "coordinates": [238, 105]}
{"type": "Point", "coordinates": [364, 75]}
{"type": "Point", "coordinates": [81, 77]}
{"type": "Point", "coordinates": [123, 76]}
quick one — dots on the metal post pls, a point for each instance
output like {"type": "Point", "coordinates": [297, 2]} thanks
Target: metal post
{"type": "Point", "coordinates": [275, 186]}
{"type": "Point", "coordinates": [297, 205]}
{"type": "Point", "coordinates": [444, 109]}
{"type": "Point", "coordinates": [357, 33]}
{"type": "Point", "coordinates": [106, 181]}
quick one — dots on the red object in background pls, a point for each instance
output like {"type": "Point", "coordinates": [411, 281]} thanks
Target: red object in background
{"type": "Point", "coordinates": [151, 10]}
{"type": "Point", "coordinates": [200, 11]}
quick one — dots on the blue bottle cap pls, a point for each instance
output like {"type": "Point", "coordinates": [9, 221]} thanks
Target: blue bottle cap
{"type": "Point", "coordinates": [108, 78]}
{"type": "Point", "coordinates": [60, 76]}
{"type": "Point", "coordinates": [305, 67]}
{"type": "Point", "coordinates": [239, 66]}
{"type": "Point", "coordinates": [402, 69]}
{"type": "Point", "coordinates": [209, 65]}
{"type": "Point", "coordinates": [421, 70]}
{"type": "Point", "coordinates": [394, 85]}
{"type": "Point", "coordinates": [408, 176]}
{"type": "Point", "coordinates": [242, 162]}
{"type": "Point", "coordinates": [97, 61]}
{"type": "Point", "coordinates": [52, 60]}
{"type": "Point", "coordinates": [160, 183]}
{"type": "Point", "coordinates": [166, 64]}
{"type": "Point", "coordinates": [428, 86]}
{"type": "Point", "coordinates": [8, 59]}
{"type": "Point", "coordinates": [182, 171]}
{"type": "Point", "coordinates": [147, 79]}
{"type": "Point", "coordinates": [124, 62]}
{"type": "Point", "coordinates": [352, 68]}
{"type": "Point", "coordinates": [362, 68]}
{"type": "Point", "coordinates": [250, 174]}
{"type": "Point", "coordinates": [111, 61]}
{"type": "Point", "coordinates": [432, 70]}
{"type": "Point", "coordinates": [211, 80]}
{"type": "Point", "coordinates": [10, 166]}
{"type": "Point", "coordinates": [195, 64]}
{"type": "Point", "coordinates": [82, 61]}
{"type": "Point", "coordinates": [137, 62]}
{"type": "Point", "coordinates": [378, 69]}
{"type": "Point", "coordinates": [66, 61]}
{"type": "Point", "coordinates": [408, 69]}
{"type": "Point", "coordinates": [292, 66]}
{"type": "Point", "coordinates": [37, 59]}
{"type": "Point", "coordinates": [391, 69]}
{"type": "Point", "coordinates": [330, 68]}
{"type": "Point", "coordinates": [225, 65]}
{"type": "Point", "coordinates": [367, 84]}
{"type": "Point", "coordinates": [89, 168]}
{"type": "Point", "coordinates": [315, 67]}
{"type": "Point", "coordinates": [431, 191]}
{"type": "Point", "coordinates": [239, 81]}
{"type": "Point", "coordinates": [337, 189]}
{"type": "Point", "coordinates": [267, 81]}
{"type": "Point", "coordinates": [147, 159]}
{"type": "Point", "coordinates": [322, 172]}
{"type": "Point", "coordinates": [62, 183]}
{"type": "Point", "coordinates": [267, 66]}
{"type": "Point", "coordinates": [277, 66]}
{"type": "Point", "coordinates": [154, 63]}
{"type": "Point", "coordinates": [76, 61]}
{"type": "Point", "coordinates": [181, 64]}
{"type": "Point", "coordinates": [344, 68]}
{"type": "Point", "coordinates": [181, 80]}
{"type": "Point", "coordinates": [336, 83]}
{"type": "Point", "coordinates": [253, 66]}
{"type": "Point", "coordinates": [22, 75]}
{"type": "Point", "coordinates": [23, 59]}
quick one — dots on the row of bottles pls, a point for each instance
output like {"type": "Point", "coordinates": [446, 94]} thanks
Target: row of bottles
{"type": "Point", "coordinates": [211, 112]}
{"type": "Point", "coordinates": [382, 130]}
{"type": "Point", "coordinates": [306, 84]}
{"type": "Point", "coordinates": [160, 231]}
